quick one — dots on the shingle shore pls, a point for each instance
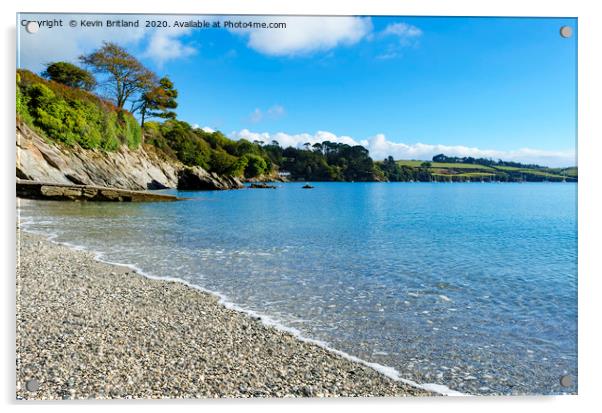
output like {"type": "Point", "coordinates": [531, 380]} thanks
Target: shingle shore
{"type": "Point", "coordinates": [86, 329]}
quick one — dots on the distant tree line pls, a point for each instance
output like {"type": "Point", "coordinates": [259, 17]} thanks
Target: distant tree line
{"type": "Point", "coordinates": [325, 161]}
{"type": "Point", "coordinates": [483, 161]}
{"type": "Point", "coordinates": [394, 172]}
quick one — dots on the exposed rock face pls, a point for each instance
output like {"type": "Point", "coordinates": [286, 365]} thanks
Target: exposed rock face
{"type": "Point", "coordinates": [198, 178]}
{"type": "Point", "coordinates": [144, 168]}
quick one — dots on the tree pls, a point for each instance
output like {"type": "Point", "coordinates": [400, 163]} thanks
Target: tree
{"type": "Point", "coordinates": [244, 147]}
{"type": "Point", "coordinates": [157, 101]}
{"type": "Point", "coordinates": [70, 75]}
{"type": "Point", "coordinates": [255, 165]}
{"type": "Point", "coordinates": [126, 76]}
{"type": "Point", "coordinates": [224, 163]}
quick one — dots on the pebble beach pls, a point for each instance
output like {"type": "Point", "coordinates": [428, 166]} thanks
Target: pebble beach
{"type": "Point", "coordinates": [90, 330]}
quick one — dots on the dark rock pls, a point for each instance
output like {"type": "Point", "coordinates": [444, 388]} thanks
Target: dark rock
{"type": "Point", "coordinates": [66, 192]}
{"type": "Point", "coordinates": [154, 184]}
{"type": "Point", "coordinates": [262, 186]}
{"type": "Point", "coordinates": [21, 174]}
{"type": "Point", "coordinates": [76, 180]}
{"type": "Point", "coordinates": [195, 178]}
{"type": "Point", "coordinates": [308, 391]}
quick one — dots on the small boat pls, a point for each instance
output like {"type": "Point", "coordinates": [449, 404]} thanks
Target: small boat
{"type": "Point", "coordinates": [307, 186]}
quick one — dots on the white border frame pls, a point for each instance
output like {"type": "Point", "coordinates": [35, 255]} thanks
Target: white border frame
{"type": "Point", "coordinates": [590, 205]}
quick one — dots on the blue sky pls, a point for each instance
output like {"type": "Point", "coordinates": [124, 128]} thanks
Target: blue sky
{"type": "Point", "coordinates": [410, 87]}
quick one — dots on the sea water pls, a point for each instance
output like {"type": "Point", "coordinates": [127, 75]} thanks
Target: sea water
{"type": "Point", "coordinates": [471, 286]}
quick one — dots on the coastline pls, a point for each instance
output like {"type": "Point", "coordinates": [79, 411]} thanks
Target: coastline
{"type": "Point", "coordinates": [88, 329]}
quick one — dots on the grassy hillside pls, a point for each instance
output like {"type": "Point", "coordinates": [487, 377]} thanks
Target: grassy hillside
{"type": "Point", "coordinates": [459, 172]}
{"type": "Point", "coordinates": [73, 116]}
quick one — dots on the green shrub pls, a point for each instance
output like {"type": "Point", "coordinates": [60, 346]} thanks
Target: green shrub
{"type": "Point", "coordinates": [209, 150]}
{"type": "Point", "coordinates": [73, 116]}
{"type": "Point", "coordinates": [238, 167]}
{"type": "Point", "coordinates": [22, 101]}
{"type": "Point", "coordinates": [189, 148]}
{"type": "Point", "coordinates": [255, 165]}
{"type": "Point", "coordinates": [109, 126]}
{"type": "Point", "coordinates": [224, 163]}
{"type": "Point", "coordinates": [131, 131]}
{"type": "Point", "coordinates": [244, 147]}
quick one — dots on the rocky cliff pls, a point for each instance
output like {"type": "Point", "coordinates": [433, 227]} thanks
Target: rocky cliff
{"type": "Point", "coordinates": [38, 159]}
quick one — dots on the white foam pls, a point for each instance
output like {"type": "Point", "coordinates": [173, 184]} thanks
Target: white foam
{"type": "Point", "coordinates": [444, 297]}
{"type": "Point", "coordinates": [442, 389]}
{"type": "Point", "coordinates": [266, 320]}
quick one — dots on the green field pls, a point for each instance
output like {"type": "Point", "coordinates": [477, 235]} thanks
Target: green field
{"type": "Point", "coordinates": [413, 164]}
{"type": "Point", "coordinates": [473, 171]}
{"type": "Point", "coordinates": [439, 165]}
{"type": "Point", "coordinates": [508, 168]}
{"type": "Point", "coordinates": [466, 175]}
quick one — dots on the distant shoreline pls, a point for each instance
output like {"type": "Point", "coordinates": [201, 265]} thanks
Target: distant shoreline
{"type": "Point", "coordinates": [89, 329]}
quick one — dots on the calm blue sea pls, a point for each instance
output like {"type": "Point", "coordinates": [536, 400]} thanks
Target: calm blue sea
{"type": "Point", "coordinates": [472, 286]}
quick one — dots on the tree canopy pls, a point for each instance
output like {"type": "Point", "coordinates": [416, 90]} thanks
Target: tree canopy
{"type": "Point", "coordinates": [125, 77]}
{"type": "Point", "coordinates": [158, 101]}
{"type": "Point", "coordinates": [70, 75]}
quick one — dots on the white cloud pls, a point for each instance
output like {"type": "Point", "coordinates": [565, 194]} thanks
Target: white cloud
{"type": "Point", "coordinates": [256, 115]}
{"type": "Point", "coordinates": [380, 148]}
{"type": "Point", "coordinates": [402, 30]}
{"type": "Point", "coordinates": [68, 43]}
{"type": "Point", "coordinates": [405, 35]}
{"type": "Point", "coordinates": [305, 35]}
{"type": "Point", "coordinates": [165, 45]}
{"type": "Point", "coordinates": [203, 128]}
{"type": "Point", "coordinates": [273, 112]}
{"type": "Point", "coordinates": [276, 111]}
{"type": "Point", "coordinates": [286, 140]}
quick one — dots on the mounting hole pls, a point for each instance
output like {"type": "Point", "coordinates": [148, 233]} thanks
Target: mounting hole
{"type": "Point", "coordinates": [32, 27]}
{"type": "Point", "coordinates": [566, 381]}
{"type": "Point", "coordinates": [32, 385]}
{"type": "Point", "coordinates": [566, 31]}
